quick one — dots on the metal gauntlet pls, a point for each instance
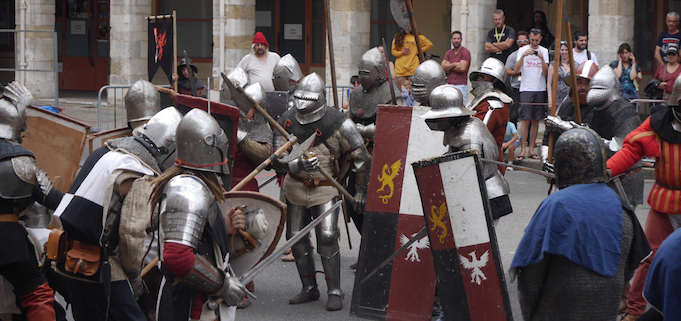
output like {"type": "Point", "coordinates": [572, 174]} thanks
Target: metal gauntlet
{"type": "Point", "coordinates": [207, 278]}
{"type": "Point", "coordinates": [557, 124]}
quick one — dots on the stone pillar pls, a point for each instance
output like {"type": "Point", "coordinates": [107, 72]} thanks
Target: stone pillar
{"type": "Point", "coordinates": [128, 41]}
{"type": "Point", "coordinates": [351, 24]}
{"type": "Point", "coordinates": [239, 31]}
{"type": "Point", "coordinates": [39, 53]}
{"type": "Point", "coordinates": [478, 23]}
{"type": "Point", "coordinates": [611, 23]}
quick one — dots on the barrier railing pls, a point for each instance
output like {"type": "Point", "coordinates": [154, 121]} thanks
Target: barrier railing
{"type": "Point", "coordinates": [18, 68]}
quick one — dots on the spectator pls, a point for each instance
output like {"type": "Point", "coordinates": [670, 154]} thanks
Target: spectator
{"type": "Point", "coordinates": [406, 93]}
{"type": "Point", "coordinates": [580, 52]}
{"type": "Point", "coordinates": [540, 22]}
{"type": "Point", "coordinates": [669, 72]}
{"type": "Point", "coordinates": [511, 141]}
{"type": "Point", "coordinates": [533, 63]}
{"type": "Point", "coordinates": [501, 38]}
{"type": "Point", "coordinates": [390, 63]}
{"type": "Point", "coordinates": [625, 63]}
{"type": "Point", "coordinates": [354, 82]}
{"type": "Point", "coordinates": [456, 63]}
{"type": "Point", "coordinates": [182, 79]}
{"type": "Point", "coordinates": [406, 53]}
{"type": "Point", "coordinates": [259, 64]}
{"type": "Point", "coordinates": [514, 77]}
{"type": "Point", "coordinates": [563, 71]}
{"type": "Point", "coordinates": [671, 36]}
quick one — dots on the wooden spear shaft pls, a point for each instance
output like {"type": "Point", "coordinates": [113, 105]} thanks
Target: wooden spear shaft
{"type": "Point", "coordinates": [332, 61]}
{"type": "Point", "coordinates": [414, 31]}
{"type": "Point", "coordinates": [556, 68]}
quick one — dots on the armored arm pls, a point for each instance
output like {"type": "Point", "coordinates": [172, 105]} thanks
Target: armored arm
{"type": "Point", "coordinates": [367, 131]}
{"type": "Point", "coordinates": [555, 123]}
{"type": "Point", "coordinates": [361, 159]}
{"type": "Point", "coordinates": [44, 192]}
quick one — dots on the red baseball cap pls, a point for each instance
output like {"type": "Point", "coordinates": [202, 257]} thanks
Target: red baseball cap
{"type": "Point", "coordinates": [260, 38]}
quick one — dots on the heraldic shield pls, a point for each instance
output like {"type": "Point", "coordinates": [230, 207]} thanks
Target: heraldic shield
{"type": "Point", "coordinates": [461, 230]}
{"type": "Point", "coordinates": [227, 117]}
{"type": "Point", "coordinates": [404, 289]}
{"type": "Point", "coordinates": [265, 219]}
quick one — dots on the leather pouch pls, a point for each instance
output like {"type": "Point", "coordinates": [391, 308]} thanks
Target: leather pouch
{"type": "Point", "coordinates": [57, 245]}
{"type": "Point", "coordinates": [82, 259]}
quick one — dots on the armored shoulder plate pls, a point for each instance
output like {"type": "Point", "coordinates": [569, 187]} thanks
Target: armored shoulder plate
{"type": "Point", "coordinates": [349, 131]}
{"type": "Point", "coordinates": [495, 104]}
{"type": "Point", "coordinates": [363, 104]}
{"type": "Point", "coordinates": [473, 135]}
{"type": "Point", "coordinates": [18, 177]}
{"type": "Point", "coordinates": [186, 207]}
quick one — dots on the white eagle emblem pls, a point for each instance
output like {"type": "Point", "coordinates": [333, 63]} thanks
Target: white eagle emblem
{"type": "Point", "coordinates": [476, 276]}
{"type": "Point", "coordinates": [418, 245]}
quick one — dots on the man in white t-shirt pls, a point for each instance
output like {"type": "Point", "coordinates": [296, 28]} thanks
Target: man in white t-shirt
{"type": "Point", "coordinates": [533, 64]}
{"type": "Point", "coordinates": [579, 52]}
{"type": "Point", "coordinates": [259, 64]}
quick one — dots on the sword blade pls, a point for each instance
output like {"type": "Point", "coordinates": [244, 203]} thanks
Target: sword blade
{"type": "Point", "coordinates": [416, 237]}
{"type": "Point", "coordinates": [522, 168]}
{"type": "Point", "coordinates": [250, 275]}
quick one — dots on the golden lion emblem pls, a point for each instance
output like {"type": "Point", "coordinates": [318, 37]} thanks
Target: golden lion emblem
{"type": "Point", "coordinates": [436, 217]}
{"type": "Point", "coordinates": [388, 174]}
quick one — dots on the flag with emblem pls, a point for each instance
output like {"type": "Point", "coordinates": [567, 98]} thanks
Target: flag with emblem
{"type": "Point", "coordinates": [160, 48]}
{"type": "Point", "coordinates": [404, 289]}
{"type": "Point", "coordinates": [464, 247]}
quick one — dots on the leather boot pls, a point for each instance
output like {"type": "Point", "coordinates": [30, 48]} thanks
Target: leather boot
{"type": "Point", "coordinates": [39, 303]}
{"type": "Point", "coordinates": [332, 272]}
{"type": "Point", "coordinates": [306, 270]}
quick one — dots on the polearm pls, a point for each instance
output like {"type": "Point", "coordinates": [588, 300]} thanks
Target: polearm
{"type": "Point", "coordinates": [175, 47]}
{"type": "Point", "coordinates": [390, 76]}
{"type": "Point", "coordinates": [414, 31]}
{"type": "Point", "coordinates": [192, 84]}
{"type": "Point", "coordinates": [556, 68]}
{"type": "Point", "coordinates": [327, 11]}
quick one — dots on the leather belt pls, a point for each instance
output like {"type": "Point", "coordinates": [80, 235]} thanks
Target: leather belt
{"type": "Point", "coordinates": [9, 217]}
{"type": "Point", "coordinates": [311, 183]}
{"type": "Point", "coordinates": [676, 188]}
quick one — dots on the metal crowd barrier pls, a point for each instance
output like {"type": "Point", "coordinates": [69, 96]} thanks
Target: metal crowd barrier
{"type": "Point", "coordinates": [646, 104]}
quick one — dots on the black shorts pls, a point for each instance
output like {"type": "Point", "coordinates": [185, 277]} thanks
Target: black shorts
{"type": "Point", "coordinates": [532, 112]}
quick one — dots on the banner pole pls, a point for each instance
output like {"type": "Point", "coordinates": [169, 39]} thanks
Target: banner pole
{"type": "Point", "coordinates": [175, 47]}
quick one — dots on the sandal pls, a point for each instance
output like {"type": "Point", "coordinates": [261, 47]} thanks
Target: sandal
{"type": "Point", "coordinates": [534, 156]}
{"type": "Point", "coordinates": [518, 159]}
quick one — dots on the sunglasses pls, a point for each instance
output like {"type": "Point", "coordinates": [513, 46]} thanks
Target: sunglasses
{"type": "Point", "coordinates": [523, 41]}
{"type": "Point", "coordinates": [535, 31]}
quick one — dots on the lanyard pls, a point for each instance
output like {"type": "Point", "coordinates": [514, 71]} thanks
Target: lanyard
{"type": "Point", "coordinates": [499, 35]}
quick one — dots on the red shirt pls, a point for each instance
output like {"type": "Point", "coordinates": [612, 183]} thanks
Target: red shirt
{"type": "Point", "coordinates": [454, 78]}
{"type": "Point", "coordinates": [667, 77]}
{"type": "Point", "coordinates": [496, 124]}
{"type": "Point", "coordinates": [643, 141]}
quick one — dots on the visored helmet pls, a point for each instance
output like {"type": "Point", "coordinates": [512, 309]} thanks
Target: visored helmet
{"type": "Point", "coordinates": [579, 158]}
{"type": "Point", "coordinates": [201, 143]}
{"type": "Point", "coordinates": [371, 68]}
{"type": "Point", "coordinates": [446, 102]}
{"type": "Point", "coordinates": [159, 135]}
{"type": "Point", "coordinates": [427, 77]}
{"type": "Point", "coordinates": [495, 68]}
{"type": "Point", "coordinates": [286, 74]}
{"type": "Point", "coordinates": [604, 88]}
{"type": "Point", "coordinates": [309, 97]}
{"type": "Point", "coordinates": [142, 101]}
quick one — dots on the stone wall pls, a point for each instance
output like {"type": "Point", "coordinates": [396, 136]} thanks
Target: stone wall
{"type": "Point", "coordinates": [128, 41]}
{"type": "Point", "coordinates": [611, 23]}
{"type": "Point", "coordinates": [350, 23]}
{"type": "Point", "coordinates": [239, 31]}
{"type": "Point", "coordinates": [39, 47]}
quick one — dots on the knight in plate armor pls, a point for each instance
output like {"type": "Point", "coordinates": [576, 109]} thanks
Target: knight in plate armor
{"type": "Point", "coordinates": [142, 101]}
{"type": "Point", "coordinates": [427, 77]}
{"type": "Point", "coordinates": [309, 194]}
{"type": "Point", "coordinates": [490, 103]}
{"type": "Point", "coordinates": [198, 283]}
{"type": "Point", "coordinates": [287, 74]}
{"type": "Point", "coordinates": [582, 243]}
{"type": "Point", "coordinates": [463, 132]}
{"type": "Point", "coordinates": [659, 136]}
{"type": "Point", "coordinates": [374, 90]}
{"type": "Point", "coordinates": [106, 213]}
{"type": "Point", "coordinates": [23, 183]}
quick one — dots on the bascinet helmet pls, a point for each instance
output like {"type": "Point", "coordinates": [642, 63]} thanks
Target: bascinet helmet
{"type": "Point", "coordinates": [159, 136]}
{"type": "Point", "coordinates": [371, 68]}
{"type": "Point", "coordinates": [495, 68]}
{"type": "Point", "coordinates": [427, 77]}
{"type": "Point", "coordinates": [142, 101]}
{"type": "Point", "coordinates": [446, 102]}
{"type": "Point", "coordinates": [604, 88]}
{"type": "Point", "coordinates": [15, 98]}
{"type": "Point", "coordinates": [257, 93]}
{"type": "Point", "coordinates": [239, 78]}
{"type": "Point", "coordinates": [579, 158]}
{"type": "Point", "coordinates": [201, 143]}
{"type": "Point", "coordinates": [309, 98]}
{"type": "Point", "coordinates": [286, 74]}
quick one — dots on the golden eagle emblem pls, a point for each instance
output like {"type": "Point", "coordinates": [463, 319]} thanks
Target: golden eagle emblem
{"type": "Point", "coordinates": [388, 174]}
{"type": "Point", "coordinates": [436, 217]}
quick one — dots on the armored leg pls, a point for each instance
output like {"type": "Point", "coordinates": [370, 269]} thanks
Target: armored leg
{"type": "Point", "coordinates": [327, 243]}
{"type": "Point", "coordinates": [296, 219]}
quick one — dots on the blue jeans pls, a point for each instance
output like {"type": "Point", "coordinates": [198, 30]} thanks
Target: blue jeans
{"type": "Point", "coordinates": [464, 91]}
